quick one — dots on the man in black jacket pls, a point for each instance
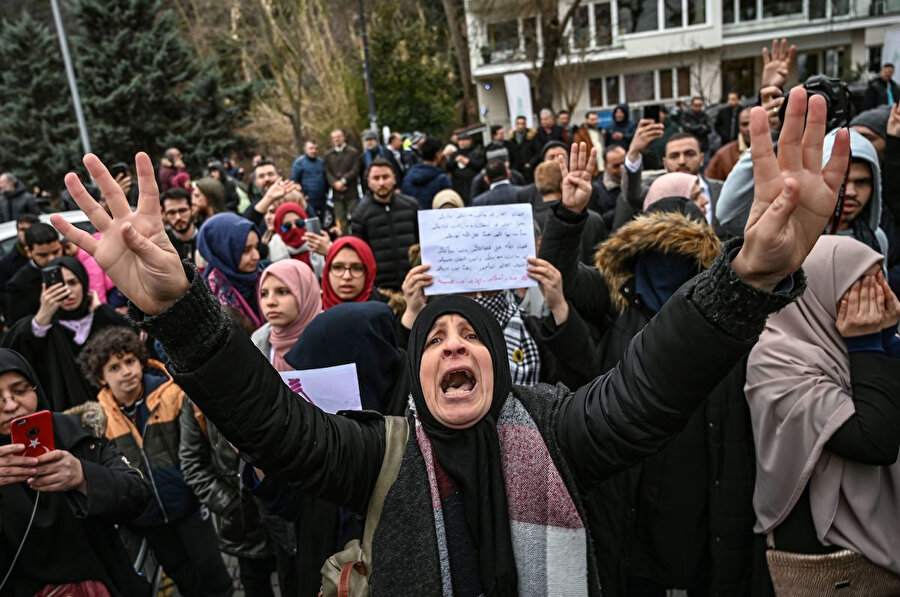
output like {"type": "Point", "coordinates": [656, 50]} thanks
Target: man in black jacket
{"type": "Point", "coordinates": [17, 256]}
{"type": "Point", "coordinates": [15, 198]}
{"type": "Point", "coordinates": [23, 291]}
{"type": "Point", "coordinates": [388, 221]}
{"type": "Point", "coordinates": [696, 122]}
{"type": "Point", "coordinates": [727, 118]}
{"type": "Point", "coordinates": [523, 147]}
{"type": "Point", "coordinates": [463, 166]}
{"type": "Point", "coordinates": [882, 89]}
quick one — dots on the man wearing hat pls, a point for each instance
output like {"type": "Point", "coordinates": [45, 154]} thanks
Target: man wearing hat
{"type": "Point", "coordinates": [371, 151]}
{"type": "Point", "coordinates": [464, 165]}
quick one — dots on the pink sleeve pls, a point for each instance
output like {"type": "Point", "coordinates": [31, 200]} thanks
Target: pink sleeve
{"type": "Point", "coordinates": [98, 281]}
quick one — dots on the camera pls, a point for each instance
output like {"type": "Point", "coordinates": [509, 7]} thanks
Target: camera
{"type": "Point", "coordinates": [837, 99]}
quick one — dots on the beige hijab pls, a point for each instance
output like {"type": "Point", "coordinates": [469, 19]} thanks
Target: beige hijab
{"type": "Point", "coordinates": [799, 393]}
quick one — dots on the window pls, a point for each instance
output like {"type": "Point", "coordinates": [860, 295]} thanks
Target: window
{"type": "Point", "coordinates": [739, 75]}
{"type": "Point", "coordinates": [874, 58]}
{"type": "Point", "coordinates": [817, 9]}
{"type": "Point", "coordinates": [840, 8]}
{"type": "Point", "coordinates": [782, 8]}
{"type": "Point", "coordinates": [503, 37]}
{"type": "Point", "coordinates": [581, 27]}
{"type": "Point", "coordinates": [641, 88]}
{"type": "Point", "coordinates": [835, 64]}
{"type": "Point", "coordinates": [595, 91]}
{"type": "Point", "coordinates": [748, 10]}
{"type": "Point", "coordinates": [636, 16]}
{"type": "Point", "coordinates": [602, 25]}
{"type": "Point", "coordinates": [807, 65]}
{"type": "Point", "coordinates": [673, 13]}
{"type": "Point", "coordinates": [728, 11]}
{"type": "Point", "coordinates": [529, 37]}
{"type": "Point", "coordinates": [696, 12]}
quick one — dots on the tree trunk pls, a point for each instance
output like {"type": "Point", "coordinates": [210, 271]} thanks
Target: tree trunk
{"type": "Point", "coordinates": [546, 83]}
{"type": "Point", "coordinates": [459, 39]}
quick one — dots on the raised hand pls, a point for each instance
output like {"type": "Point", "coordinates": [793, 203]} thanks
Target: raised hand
{"type": "Point", "coordinates": [794, 195]}
{"type": "Point", "coordinates": [414, 285]}
{"type": "Point", "coordinates": [550, 281]}
{"type": "Point", "coordinates": [51, 300]}
{"type": "Point", "coordinates": [893, 123]}
{"type": "Point", "coordinates": [777, 63]}
{"type": "Point", "coordinates": [646, 133]}
{"type": "Point", "coordinates": [134, 250]}
{"type": "Point", "coordinates": [576, 177]}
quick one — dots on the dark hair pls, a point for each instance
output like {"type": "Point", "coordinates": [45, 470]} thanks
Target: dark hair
{"type": "Point", "coordinates": [40, 234]}
{"type": "Point", "coordinates": [495, 128]}
{"type": "Point", "coordinates": [561, 112]}
{"type": "Point", "coordinates": [588, 114]}
{"type": "Point", "coordinates": [394, 135]}
{"type": "Point", "coordinates": [379, 163]}
{"type": "Point", "coordinates": [429, 149]}
{"type": "Point", "coordinates": [111, 342]}
{"type": "Point", "coordinates": [265, 162]}
{"type": "Point", "coordinates": [175, 194]}
{"type": "Point", "coordinates": [522, 117]}
{"type": "Point", "coordinates": [696, 97]}
{"type": "Point", "coordinates": [27, 219]}
{"type": "Point", "coordinates": [609, 148]}
{"type": "Point", "coordinates": [495, 170]}
{"type": "Point", "coordinates": [887, 65]}
{"type": "Point", "coordinates": [679, 137]}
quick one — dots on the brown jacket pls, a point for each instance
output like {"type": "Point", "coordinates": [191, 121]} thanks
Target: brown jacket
{"type": "Point", "coordinates": [721, 164]}
{"type": "Point", "coordinates": [583, 136]}
{"type": "Point", "coordinates": [343, 165]}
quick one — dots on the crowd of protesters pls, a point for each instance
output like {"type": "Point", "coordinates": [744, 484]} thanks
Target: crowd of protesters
{"type": "Point", "coordinates": [676, 404]}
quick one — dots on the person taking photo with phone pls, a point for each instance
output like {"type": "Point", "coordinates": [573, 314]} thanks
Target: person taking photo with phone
{"type": "Point", "coordinates": [77, 494]}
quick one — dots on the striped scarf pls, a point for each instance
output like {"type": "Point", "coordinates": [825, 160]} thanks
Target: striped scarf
{"type": "Point", "coordinates": [548, 535]}
{"type": "Point", "coordinates": [522, 350]}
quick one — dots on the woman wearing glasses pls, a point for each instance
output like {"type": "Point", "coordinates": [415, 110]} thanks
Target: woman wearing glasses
{"type": "Point", "coordinates": [349, 273]}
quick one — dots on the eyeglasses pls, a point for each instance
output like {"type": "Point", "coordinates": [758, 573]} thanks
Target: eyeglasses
{"type": "Point", "coordinates": [357, 270]}
{"type": "Point", "coordinates": [286, 227]}
{"type": "Point", "coordinates": [18, 393]}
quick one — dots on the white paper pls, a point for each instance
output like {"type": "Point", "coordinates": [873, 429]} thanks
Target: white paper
{"type": "Point", "coordinates": [330, 388]}
{"type": "Point", "coordinates": [473, 249]}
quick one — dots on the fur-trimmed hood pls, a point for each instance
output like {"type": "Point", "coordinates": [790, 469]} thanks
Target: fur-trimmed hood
{"type": "Point", "coordinates": [671, 233]}
{"type": "Point", "coordinates": [92, 417]}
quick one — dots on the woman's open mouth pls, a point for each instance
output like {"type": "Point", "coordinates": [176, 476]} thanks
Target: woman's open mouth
{"type": "Point", "coordinates": [458, 383]}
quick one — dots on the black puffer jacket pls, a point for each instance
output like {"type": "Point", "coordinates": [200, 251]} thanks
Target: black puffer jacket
{"type": "Point", "coordinates": [211, 467]}
{"type": "Point", "coordinates": [606, 426]}
{"type": "Point", "coordinates": [390, 229]}
{"type": "Point", "coordinates": [683, 518]}
{"type": "Point", "coordinates": [17, 202]}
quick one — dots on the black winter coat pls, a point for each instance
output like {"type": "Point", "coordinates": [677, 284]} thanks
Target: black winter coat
{"type": "Point", "coordinates": [606, 426]}
{"type": "Point", "coordinates": [684, 516]}
{"type": "Point", "coordinates": [116, 494]}
{"type": "Point", "coordinates": [390, 229]}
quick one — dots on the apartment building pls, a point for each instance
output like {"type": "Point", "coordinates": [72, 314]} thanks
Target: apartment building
{"type": "Point", "coordinates": [659, 51]}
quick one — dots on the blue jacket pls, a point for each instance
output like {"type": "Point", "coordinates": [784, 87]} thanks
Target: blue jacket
{"type": "Point", "coordinates": [423, 181]}
{"type": "Point", "coordinates": [310, 174]}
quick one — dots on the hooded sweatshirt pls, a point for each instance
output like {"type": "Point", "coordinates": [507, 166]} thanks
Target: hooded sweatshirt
{"type": "Point", "coordinates": [423, 181]}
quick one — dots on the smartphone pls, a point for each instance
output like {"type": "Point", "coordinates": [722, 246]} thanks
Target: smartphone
{"type": "Point", "coordinates": [35, 431]}
{"type": "Point", "coordinates": [118, 168]}
{"type": "Point", "coordinates": [652, 112]}
{"type": "Point", "coordinates": [52, 274]}
{"type": "Point", "coordinates": [313, 225]}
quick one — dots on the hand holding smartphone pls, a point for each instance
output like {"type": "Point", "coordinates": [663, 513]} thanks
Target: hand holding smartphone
{"type": "Point", "coordinates": [51, 275]}
{"type": "Point", "coordinates": [313, 225]}
{"type": "Point", "coordinates": [651, 113]}
{"type": "Point", "coordinates": [35, 432]}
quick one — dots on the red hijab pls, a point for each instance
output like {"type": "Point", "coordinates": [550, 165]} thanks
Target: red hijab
{"type": "Point", "coordinates": [329, 296]}
{"type": "Point", "coordinates": [293, 238]}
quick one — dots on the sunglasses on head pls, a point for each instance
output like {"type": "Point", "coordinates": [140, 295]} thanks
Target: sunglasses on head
{"type": "Point", "coordinates": [286, 227]}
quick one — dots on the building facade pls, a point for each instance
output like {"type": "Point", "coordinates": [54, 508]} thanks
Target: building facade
{"type": "Point", "coordinates": [643, 52]}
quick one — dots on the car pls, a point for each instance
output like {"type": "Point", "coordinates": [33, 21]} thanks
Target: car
{"type": "Point", "coordinates": [8, 235]}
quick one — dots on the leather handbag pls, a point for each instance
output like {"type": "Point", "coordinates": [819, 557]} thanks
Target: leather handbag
{"type": "Point", "coordinates": [346, 573]}
{"type": "Point", "coordinates": [843, 573]}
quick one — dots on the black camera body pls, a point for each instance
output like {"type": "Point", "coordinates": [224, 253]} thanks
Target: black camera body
{"type": "Point", "coordinates": [837, 98]}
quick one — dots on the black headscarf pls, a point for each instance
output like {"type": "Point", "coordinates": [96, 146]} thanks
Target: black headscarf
{"type": "Point", "coordinates": [471, 457]}
{"type": "Point", "coordinates": [10, 360]}
{"type": "Point", "coordinates": [74, 266]}
{"type": "Point", "coordinates": [361, 333]}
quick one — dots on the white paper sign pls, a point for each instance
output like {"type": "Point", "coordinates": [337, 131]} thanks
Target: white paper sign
{"type": "Point", "coordinates": [473, 249]}
{"type": "Point", "coordinates": [331, 388]}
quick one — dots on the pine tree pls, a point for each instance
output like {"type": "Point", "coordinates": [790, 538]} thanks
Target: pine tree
{"type": "Point", "coordinates": [415, 87]}
{"type": "Point", "coordinates": [145, 90]}
{"type": "Point", "coordinates": [39, 140]}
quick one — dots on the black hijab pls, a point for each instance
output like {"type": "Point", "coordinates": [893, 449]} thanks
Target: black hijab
{"type": "Point", "coordinates": [471, 457]}
{"type": "Point", "coordinates": [10, 360]}
{"type": "Point", "coordinates": [74, 266]}
{"type": "Point", "coordinates": [361, 333]}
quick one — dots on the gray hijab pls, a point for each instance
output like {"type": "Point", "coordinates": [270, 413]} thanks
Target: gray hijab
{"type": "Point", "coordinates": [799, 393]}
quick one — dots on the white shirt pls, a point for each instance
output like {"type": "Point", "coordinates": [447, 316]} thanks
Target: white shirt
{"type": "Point", "coordinates": [494, 185]}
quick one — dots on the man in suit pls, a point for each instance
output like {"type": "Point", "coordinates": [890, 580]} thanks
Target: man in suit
{"type": "Point", "coordinates": [501, 192]}
{"type": "Point", "coordinates": [342, 172]}
{"type": "Point", "coordinates": [682, 154]}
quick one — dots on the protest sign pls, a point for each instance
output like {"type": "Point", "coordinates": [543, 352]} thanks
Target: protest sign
{"type": "Point", "coordinates": [474, 249]}
{"type": "Point", "coordinates": [331, 388]}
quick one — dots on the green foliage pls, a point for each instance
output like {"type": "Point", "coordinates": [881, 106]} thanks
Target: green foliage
{"type": "Point", "coordinates": [38, 134]}
{"type": "Point", "coordinates": [143, 87]}
{"type": "Point", "coordinates": [413, 74]}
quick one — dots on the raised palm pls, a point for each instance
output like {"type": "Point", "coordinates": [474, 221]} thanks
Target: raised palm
{"type": "Point", "coordinates": [794, 195]}
{"type": "Point", "coordinates": [134, 249]}
{"type": "Point", "coordinates": [777, 63]}
{"type": "Point", "coordinates": [576, 177]}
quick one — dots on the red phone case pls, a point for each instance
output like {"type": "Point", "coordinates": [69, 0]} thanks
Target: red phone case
{"type": "Point", "coordinates": [35, 431]}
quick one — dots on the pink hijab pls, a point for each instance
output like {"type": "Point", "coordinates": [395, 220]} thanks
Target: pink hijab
{"type": "Point", "coordinates": [673, 184]}
{"type": "Point", "coordinates": [302, 283]}
{"type": "Point", "coordinates": [799, 393]}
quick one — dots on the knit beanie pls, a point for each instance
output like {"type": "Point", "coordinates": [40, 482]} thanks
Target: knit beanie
{"type": "Point", "coordinates": [874, 119]}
